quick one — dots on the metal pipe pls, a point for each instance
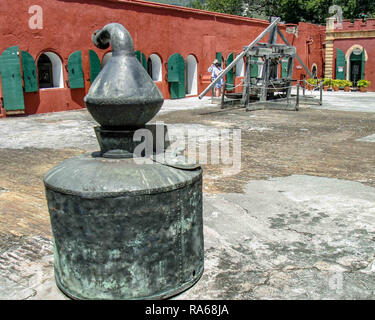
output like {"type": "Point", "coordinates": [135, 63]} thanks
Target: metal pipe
{"type": "Point", "coordinates": [223, 96]}
{"type": "Point", "coordinates": [304, 87]}
{"type": "Point", "coordinates": [321, 93]}
{"type": "Point", "coordinates": [297, 98]}
{"type": "Point", "coordinates": [117, 36]}
{"type": "Point", "coordinates": [239, 57]}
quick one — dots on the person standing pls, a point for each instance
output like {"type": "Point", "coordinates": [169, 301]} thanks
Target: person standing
{"type": "Point", "coordinates": [215, 70]}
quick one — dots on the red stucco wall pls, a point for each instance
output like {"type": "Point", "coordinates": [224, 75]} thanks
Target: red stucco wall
{"type": "Point", "coordinates": [309, 44]}
{"type": "Point", "coordinates": [369, 45]}
{"type": "Point", "coordinates": [155, 28]}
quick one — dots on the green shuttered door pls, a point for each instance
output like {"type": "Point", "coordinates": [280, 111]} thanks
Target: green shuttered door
{"type": "Point", "coordinates": [10, 69]}
{"type": "Point", "coordinates": [340, 65]}
{"type": "Point", "coordinates": [363, 57]}
{"type": "Point", "coordinates": [76, 79]}
{"type": "Point", "coordinates": [230, 74]}
{"type": "Point", "coordinates": [358, 57]}
{"type": "Point", "coordinates": [94, 65]}
{"type": "Point", "coordinates": [176, 76]}
{"type": "Point", "coordinates": [219, 56]}
{"type": "Point", "coordinates": [141, 58]}
{"type": "Point", "coordinates": [254, 67]}
{"type": "Point", "coordinates": [29, 72]}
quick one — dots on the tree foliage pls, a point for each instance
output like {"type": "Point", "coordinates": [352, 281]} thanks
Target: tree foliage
{"type": "Point", "coordinates": [224, 6]}
{"type": "Point", "coordinates": [292, 11]}
{"type": "Point", "coordinates": [315, 11]}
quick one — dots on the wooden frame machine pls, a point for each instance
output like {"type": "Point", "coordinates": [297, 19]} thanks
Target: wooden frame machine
{"type": "Point", "coordinates": [266, 90]}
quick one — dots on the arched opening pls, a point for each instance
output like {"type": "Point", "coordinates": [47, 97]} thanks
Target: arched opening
{"type": "Point", "coordinates": [191, 75]}
{"type": "Point", "coordinates": [356, 58]}
{"type": "Point", "coordinates": [240, 69]}
{"type": "Point", "coordinates": [356, 69]}
{"type": "Point", "coordinates": [154, 67]}
{"type": "Point", "coordinates": [314, 71]}
{"type": "Point", "coordinates": [50, 71]}
{"type": "Point", "coordinates": [105, 59]}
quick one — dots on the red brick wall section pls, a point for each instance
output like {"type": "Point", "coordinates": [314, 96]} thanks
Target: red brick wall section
{"type": "Point", "coordinates": [358, 24]}
{"type": "Point", "coordinates": [155, 28]}
{"type": "Point", "coordinates": [310, 49]}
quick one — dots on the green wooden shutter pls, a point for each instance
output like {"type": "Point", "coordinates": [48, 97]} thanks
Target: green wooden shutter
{"type": "Point", "coordinates": [173, 61]}
{"type": "Point", "coordinates": [76, 79]}
{"type": "Point", "coordinates": [340, 65]}
{"type": "Point", "coordinates": [144, 61]}
{"type": "Point", "coordinates": [176, 76]}
{"type": "Point", "coordinates": [284, 68]}
{"type": "Point", "coordinates": [141, 58]}
{"type": "Point", "coordinates": [10, 69]}
{"type": "Point", "coordinates": [219, 56]}
{"type": "Point", "coordinates": [363, 64]}
{"type": "Point", "coordinates": [254, 67]}
{"type": "Point", "coordinates": [95, 65]}
{"type": "Point", "coordinates": [138, 55]}
{"type": "Point", "coordinates": [29, 72]}
{"type": "Point", "coordinates": [230, 74]}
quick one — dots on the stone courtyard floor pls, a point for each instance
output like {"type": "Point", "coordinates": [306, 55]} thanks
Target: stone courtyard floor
{"type": "Point", "coordinates": [297, 221]}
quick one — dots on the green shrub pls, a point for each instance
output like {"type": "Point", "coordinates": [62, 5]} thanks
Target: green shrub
{"type": "Point", "coordinates": [336, 83]}
{"type": "Point", "coordinates": [347, 83]}
{"type": "Point", "coordinates": [312, 82]}
{"type": "Point", "coordinates": [363, 83]}
{"type": "Point", "coordinates": [327, 82]}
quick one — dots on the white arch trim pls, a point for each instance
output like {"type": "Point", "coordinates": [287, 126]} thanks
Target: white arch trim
{"type": "Point", "coordinates": [57, 70]}
{"type": "Point", "coordinates": [316, 67]}
{"type": "Point", "coordinates": [192, 75]}
{"type": "Point", "coordinates": [347, 57]}
{"type": "Point", "coordinates": [240, 68]}
{"type": "Point", "coordinates": [156, 67]}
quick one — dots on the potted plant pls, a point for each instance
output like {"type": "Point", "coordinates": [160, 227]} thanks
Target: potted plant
{"type": "Point", "coordinates": [363, 84]}
{"type": "Point", "coordinates": [347, 84]}
{"type": "Point", "coordinates": [336, 84]}
{"type": "Point", "coordinates": [311, 83]}
{"type": "Point", "coordinates": [326, 84]}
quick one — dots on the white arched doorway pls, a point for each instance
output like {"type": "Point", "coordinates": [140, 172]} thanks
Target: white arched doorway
{"type": "Point", "coordinates": [314, 70]}
{"type": "Point", "coordinates": [50, 71]}
{"type": "Point", "coordinates": [154, 67]}
{"type": "Point", "coordinates": [354, 50]}
{"type": "Point", "coordinates": [240, 68]}
{"type": "Point", "coordinates": [105, 59]}
{"type": "Point", "coordinates": [191, 75]}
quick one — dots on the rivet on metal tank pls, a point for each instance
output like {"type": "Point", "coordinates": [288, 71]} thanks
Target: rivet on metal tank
{"type": "Point", "coordinates": [121, 229]}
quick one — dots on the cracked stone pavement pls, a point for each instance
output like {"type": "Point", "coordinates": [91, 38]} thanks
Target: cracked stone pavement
{"type": "Point", "coordinates": [298, 221]}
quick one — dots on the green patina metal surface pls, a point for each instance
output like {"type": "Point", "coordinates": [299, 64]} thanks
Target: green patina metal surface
{"type": "Point", "coordinates": [123, 93]}
{"type": "Point", "coordinates": [125, 229]}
